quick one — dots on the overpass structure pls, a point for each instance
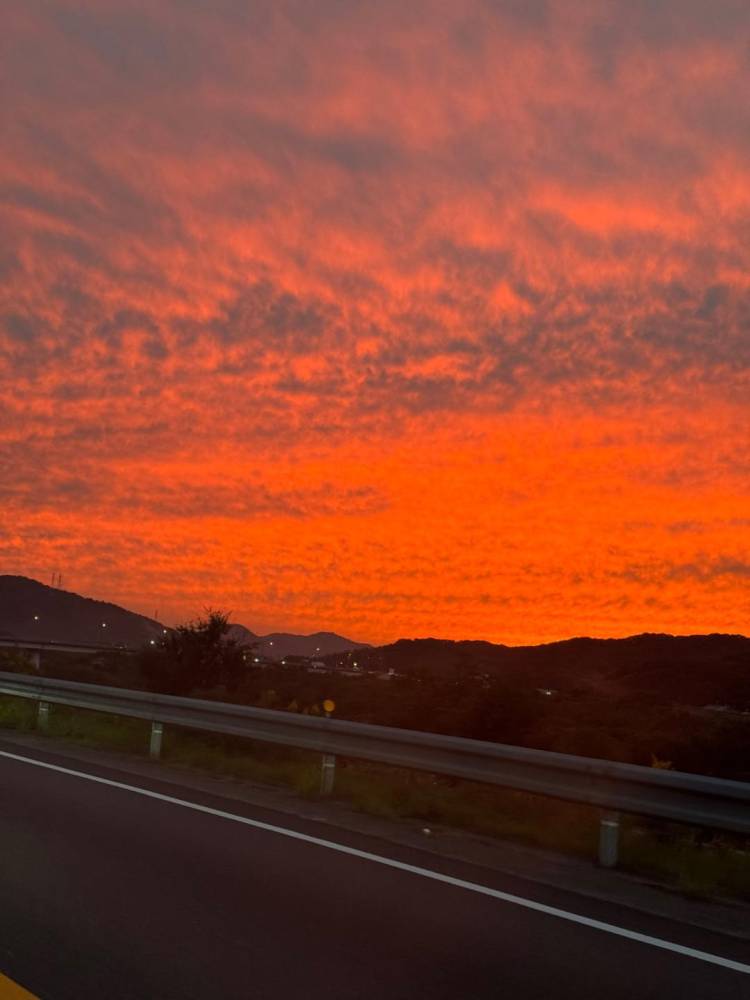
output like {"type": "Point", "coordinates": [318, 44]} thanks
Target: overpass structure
{"type": "Point", "coordinates": [35, 647]}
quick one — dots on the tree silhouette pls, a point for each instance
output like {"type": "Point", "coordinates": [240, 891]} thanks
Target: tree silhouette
{"type": "Point", "coordinates": [198, 656]}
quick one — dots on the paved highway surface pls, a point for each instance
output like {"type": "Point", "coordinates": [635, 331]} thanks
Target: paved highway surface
{"type": "Point", "coordinates": [119, 887]}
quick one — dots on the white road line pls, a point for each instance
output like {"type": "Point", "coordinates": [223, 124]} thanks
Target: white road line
{"type": "Point", "coordinates": [529, 904]}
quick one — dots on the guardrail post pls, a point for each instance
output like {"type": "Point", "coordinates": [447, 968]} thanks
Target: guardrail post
{"type": "Point", "coordinates": [327, 773]}
{"type": "Point", "coordinates": [42, 716]}
{"type": "Point", "coordinates": [328, 761]}
{"type": "Point", "coordinates": [609, 839]}
{"type": "Point", "coordinates": [157, 730]}
{"type": "Point", "coordinates": [35, 657]}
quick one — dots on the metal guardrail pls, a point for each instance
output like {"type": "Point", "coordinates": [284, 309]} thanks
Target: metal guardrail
{"type": "Point", "coordinates": [669, 795]}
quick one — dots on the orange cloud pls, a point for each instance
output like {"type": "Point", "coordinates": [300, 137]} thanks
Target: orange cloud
{"type": "Point", "coordinates": [389, 319]}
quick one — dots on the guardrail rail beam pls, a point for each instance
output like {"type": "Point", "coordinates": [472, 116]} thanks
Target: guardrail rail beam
{"type": "Point", "coordinates": [615, 788]}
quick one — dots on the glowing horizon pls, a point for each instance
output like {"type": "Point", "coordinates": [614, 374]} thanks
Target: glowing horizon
{"type": "Point", "coordinates": [388, 320]}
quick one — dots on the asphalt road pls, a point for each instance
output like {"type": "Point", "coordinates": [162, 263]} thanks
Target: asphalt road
{"type": "Point", "coordinates": [107, 892]}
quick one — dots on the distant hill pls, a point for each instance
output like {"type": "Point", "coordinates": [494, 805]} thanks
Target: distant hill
{"type": "Point", "coordinates": [689, 669]}
{"type": "Point", "coordinates": [243, 635]}
{"type": "Point", "coordinates": [276, 645]}
{"type": "Point", "coordinates": [32, 610]}
{"type": "Point", "coordinates": [686, 669]}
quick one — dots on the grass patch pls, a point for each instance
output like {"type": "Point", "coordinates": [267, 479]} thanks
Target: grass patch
{"type": "Point", "coordinates": [669, 852]}
{"type": "Point", "coordinates": [247, 760]}
{"type": "Point", "coordinates": [17, 713]}
{"type": "Point", "coordinates": [678, 855]}
{"type": "Point", "coordinates": [466, 805]}
{"type": "Point", "coordinates": [95, 729]}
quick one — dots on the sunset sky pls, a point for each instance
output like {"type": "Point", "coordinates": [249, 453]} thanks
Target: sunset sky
{"type": "Point", "coordinates": [395, 318]}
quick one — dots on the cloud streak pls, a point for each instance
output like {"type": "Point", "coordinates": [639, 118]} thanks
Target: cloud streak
{"type": "Point", "coordinates": [264, 260]}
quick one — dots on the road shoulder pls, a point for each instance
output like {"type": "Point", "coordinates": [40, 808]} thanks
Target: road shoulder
{"type": "Point", "coordinates": [534, 865]}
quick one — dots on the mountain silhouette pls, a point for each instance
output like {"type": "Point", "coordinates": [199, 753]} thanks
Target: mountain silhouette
{"type": "Point", "coordinates": [279, 644]}
{"type": "Point", "coordinates": [32, 610]}
{"type": "Point", "coordinates": [687, 669]}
